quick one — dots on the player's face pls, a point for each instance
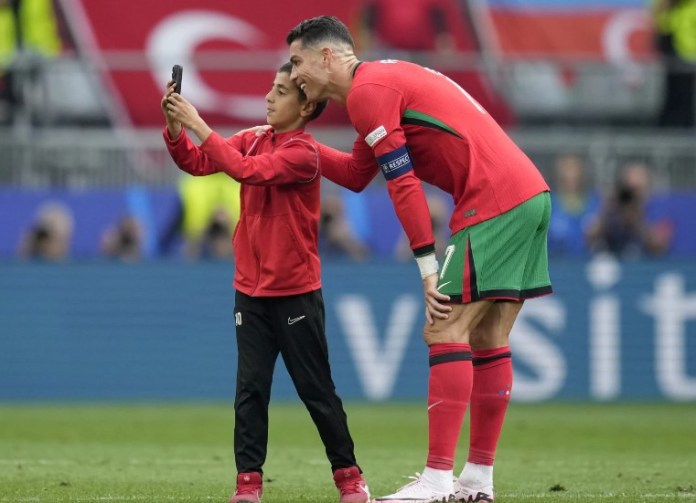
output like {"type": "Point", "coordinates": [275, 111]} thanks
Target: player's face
{"type": "Point", "coordinates": [283, 106]}
{"type": "Point", "coordinates": [309, 70]}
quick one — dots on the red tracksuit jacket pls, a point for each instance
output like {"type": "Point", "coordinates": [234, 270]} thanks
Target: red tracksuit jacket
{"type": "Point", "coordinates": [275, 242]}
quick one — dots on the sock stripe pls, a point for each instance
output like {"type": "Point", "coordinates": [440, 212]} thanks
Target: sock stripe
{"type": "Point", "coordinates": [488, 359]}
{"type": "Point", "coordinates": [457, 356]}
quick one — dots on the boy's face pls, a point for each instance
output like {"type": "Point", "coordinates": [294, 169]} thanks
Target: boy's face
{"type": "Point", "coordinates": [284, 110]}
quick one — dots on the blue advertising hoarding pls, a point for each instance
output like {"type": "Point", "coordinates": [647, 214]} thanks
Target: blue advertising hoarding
{"type": "Point", "coordinates": [165, 330]}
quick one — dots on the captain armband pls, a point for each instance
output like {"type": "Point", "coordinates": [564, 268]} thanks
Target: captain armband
{"type": "Point", "coordinates": [427, 265]}
{"type": "Point", "coordinates": [395, 163]}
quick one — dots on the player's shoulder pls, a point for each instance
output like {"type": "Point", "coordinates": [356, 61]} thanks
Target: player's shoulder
{"type": "Point", "coordinates": [375, 77]}
{"type": "Point", "coordinates": [385, 69]}
{"type": "Point", "coordinates": [388, 74]}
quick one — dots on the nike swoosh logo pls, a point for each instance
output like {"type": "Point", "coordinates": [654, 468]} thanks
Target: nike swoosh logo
{"type": "Point", "coordinates": [295, 320]}
{"type": "Point", "coordinates": [365, 490]}
{"type": "Point", "coordinates": [444, 285]}
{"type": "Point", "coordinates": [434, 404]}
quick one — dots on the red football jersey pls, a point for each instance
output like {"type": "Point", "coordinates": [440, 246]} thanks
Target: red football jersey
{"type": "Point", "coordinates": [275, 241]}
{"type": "Point", "coordinates": [415, 117]}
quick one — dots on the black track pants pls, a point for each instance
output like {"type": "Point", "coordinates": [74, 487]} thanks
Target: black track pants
{"type": "Point", "coordinates": [294, 327]}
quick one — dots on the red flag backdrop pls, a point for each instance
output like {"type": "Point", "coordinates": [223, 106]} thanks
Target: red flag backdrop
{"type": "Point", "coordinates": [134, 43]}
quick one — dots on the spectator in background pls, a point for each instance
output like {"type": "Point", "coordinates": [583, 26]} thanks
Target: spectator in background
{"type": "Point", "coordinates": [575, 205]}
{"type": "Point", "coordinates": [28, 33]}
{"type": "Point", "coordinates": [217, 238]}
{"type": "Point", "coordinates": [675, 40]}
{"type": "Point", "coordinates": [336, 238]}
{"type": "Point", "coordinates": [206, 203]}
{"type": "Point", "coordinates": [623, 228]}
{"type": "Point", "coordinates": [123, 241]}
{"type": "Point", "coordinates": [50, 236]}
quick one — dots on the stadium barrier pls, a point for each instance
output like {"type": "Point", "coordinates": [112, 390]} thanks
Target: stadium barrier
{"type": "Point", "coordinates": [165, 330]}
{"type": "Point", "coordinates": [91, 157]}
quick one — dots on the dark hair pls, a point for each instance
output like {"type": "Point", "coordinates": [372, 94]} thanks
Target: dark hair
{"type": "Point", "coordinates": [285, 68]}
{"type": "Point", "coordinates": [316, 29]}
{"type": "Point", "coordinates": [319, 105]}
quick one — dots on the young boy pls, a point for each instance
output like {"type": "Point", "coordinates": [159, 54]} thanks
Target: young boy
{"type": "Point", "coordinates": [279, 307]}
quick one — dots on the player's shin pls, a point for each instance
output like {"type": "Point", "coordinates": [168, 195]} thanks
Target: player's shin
{"type": "Point", "coordinates": [449, 390]}
{"type": "Point", "coordinates": [489, 401]}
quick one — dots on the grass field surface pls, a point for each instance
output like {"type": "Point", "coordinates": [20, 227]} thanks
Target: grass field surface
{"type": "Point", "coordinates": [550, 453]}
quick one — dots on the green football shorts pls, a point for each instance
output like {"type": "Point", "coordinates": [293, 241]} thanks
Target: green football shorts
{"type": "Point", "coordinates": [503, 258]}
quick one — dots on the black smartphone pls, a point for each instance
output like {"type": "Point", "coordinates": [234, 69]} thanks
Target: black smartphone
{"type": "Point", "coordinates": [177, 72]}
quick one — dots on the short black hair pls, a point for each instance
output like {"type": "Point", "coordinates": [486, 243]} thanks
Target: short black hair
{"type": "Point", "coordinates": [319, 105]}
{"type": "Point", "coordinates": [320, 28]}
{"type": "Point", "coordinates": [285, 68]}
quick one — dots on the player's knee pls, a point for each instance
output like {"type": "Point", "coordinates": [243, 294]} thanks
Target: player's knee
{"type": "Point", "coordinates": [442, 332]}
{"type": "Point", "coordinates": [486, 338]}
{"type": "Point", "coordinates": [479, 338]}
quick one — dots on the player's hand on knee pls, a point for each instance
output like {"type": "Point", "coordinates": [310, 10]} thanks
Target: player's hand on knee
{"type": "Point", "coordinates": [435, 307]}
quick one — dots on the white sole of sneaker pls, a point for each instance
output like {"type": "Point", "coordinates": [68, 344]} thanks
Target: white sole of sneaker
{"type": "Point", "coordinates": [444, 499]}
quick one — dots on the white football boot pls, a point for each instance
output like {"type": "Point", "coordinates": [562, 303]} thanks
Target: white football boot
{"type": "Point", "coordinates": [465, 494]}
{"type": "Point", "coordinates": [417, 491]}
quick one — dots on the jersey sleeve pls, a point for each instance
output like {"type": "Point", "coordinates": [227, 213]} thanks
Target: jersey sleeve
{"type": "Point", "coordinates": [296, 161]}
{"type": "Point", "coordinates": [187, 155]}
{"type": "Point", "coordinates": [376, 112]}
{"type": "Point", "coordinates": [353, 171]}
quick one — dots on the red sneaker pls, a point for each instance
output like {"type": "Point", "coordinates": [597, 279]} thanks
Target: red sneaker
{"type": "Point", "coordinates": [351, 485]}
{"type": "Point", "coordinates": [249, 488]}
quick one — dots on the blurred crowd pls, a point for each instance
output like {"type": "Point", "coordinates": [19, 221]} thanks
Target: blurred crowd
{"type": "Point", "coordinates": [587, 218]}
{"type": "Point", "coordinates": [620, 220]}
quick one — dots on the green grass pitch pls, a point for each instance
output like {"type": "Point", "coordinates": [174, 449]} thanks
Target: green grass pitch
{"type": "Point", "coordinates": [173, 453]}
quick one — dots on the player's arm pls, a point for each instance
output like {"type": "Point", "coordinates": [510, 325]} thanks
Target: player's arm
{"type": "Point", "coordinates": [296, 161]}
{"type": "Point", "coordinates": [353, 171]}
{"type": "Point", "coordinates": [412, 210]}
{"type": "Point", "coordinates": [376, 113]}
{"type": "Point", "coordinates": [187, 155]}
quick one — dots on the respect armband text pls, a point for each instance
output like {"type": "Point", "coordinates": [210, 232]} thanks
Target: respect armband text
{"type": "Point", "coordinates": [395, 163]}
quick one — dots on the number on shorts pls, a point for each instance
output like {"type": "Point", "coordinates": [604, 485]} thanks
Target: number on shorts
{"type": "Point", "coordinates": [448, 256]}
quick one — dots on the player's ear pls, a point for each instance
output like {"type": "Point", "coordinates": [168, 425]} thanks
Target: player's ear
{"type": "Point", "coordinates": [326, 54]}
{"type": "Point", "coordinates": [307, 109]}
